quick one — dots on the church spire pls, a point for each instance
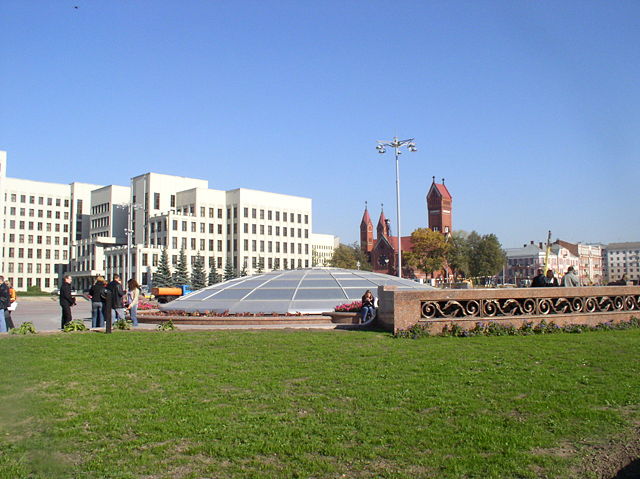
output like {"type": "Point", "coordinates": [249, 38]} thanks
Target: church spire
{"type": "Point", "coordinates": [366, 231]}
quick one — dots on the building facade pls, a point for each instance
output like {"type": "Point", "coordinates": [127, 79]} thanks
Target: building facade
{"type": "Point", "coordinates": [322, 248]}
{"type": "Point", "coordinates": [51, 229]}
{"type": "Point", "coordinates": [622, 259]}
{"type": "Point", "coordinates": [523, 263]}
{"type": "Point", "coordinates": [40, 221]}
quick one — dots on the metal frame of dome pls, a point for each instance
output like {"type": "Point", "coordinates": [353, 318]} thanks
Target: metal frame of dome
{"type": "Point", "coordinates": [306, 291]}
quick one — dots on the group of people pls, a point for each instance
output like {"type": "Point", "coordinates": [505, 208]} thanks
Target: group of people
{"type": "Point", "coordinates": [7, 304]}
{"type": "Point", "coordinates": [107, 299]}
{"type": "Point", "coordinates": [569, 280]}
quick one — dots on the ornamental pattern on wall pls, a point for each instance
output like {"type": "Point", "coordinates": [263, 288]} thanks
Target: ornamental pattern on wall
{"type": "Point", "coordinates": [491, 308]}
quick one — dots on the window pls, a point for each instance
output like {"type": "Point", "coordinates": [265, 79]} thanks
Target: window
{"type": "Point", "coordinates": [246, 212]}
{"type": "Point", "coordinates": [219, 229]}
{"type": "Point", "coordinates": [193, 243]}
{"type": "Point", "coordinates": [173, 201]}
{"type": "Point", "coordinates": [306, 219]}
{"type": "Point", "coordinates": [203, 211]}
{"type": "Point", "coordinates": [261, 214]}
{"type": "Point", "coordinates": [253, 212]}
{"type": "Point", "coordinates": [211, 226]}
{"type": "Point", "coordinates": [245, 227]}
{"type": "Point", "coordinates": [246, 245]}
{"type": "Point", "coordinates": [253, 229]}
{"type": "Point", "coordinates": [219, 245]}
{"type": "Point", "coordinates": [269, 215]}
{"type": "Point", "coordinates": [261, 229]}
{"type": "Point", "coordinates": [277, 216]}
{"type": "Point", "coordinates": [193, 226]}
{"type": "Point", "coordinates": [220, 213]}
{"type": "Point", "coordinates": [184, 226]}
{"type": "Point", "coordinates": [291, 217]}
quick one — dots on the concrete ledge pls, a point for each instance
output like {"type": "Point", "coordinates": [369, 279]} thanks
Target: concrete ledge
{"type": "Point", "coordinates": [236, 320]}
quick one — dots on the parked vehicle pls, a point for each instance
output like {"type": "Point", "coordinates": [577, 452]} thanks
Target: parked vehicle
{"type": "Point", "coordinates": [164, 295]}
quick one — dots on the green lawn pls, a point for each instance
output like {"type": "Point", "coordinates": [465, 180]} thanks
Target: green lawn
{"type": "Point", "coordinates": [281, 404]}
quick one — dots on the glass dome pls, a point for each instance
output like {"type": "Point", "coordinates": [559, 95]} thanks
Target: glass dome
{"type": "Point", "coordinates": [307, 291]}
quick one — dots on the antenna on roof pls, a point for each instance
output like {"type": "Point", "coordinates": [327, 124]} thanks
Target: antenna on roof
{"type": "Point", "coordinates": [443, 181]}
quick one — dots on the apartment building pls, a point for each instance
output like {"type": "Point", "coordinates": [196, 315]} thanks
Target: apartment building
{"type": "Point", "coordinates": [590, 257]}
{"type": "Point", "coordinates": [622, 259]}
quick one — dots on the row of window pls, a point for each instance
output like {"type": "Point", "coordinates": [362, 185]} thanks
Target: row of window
{"type": "Point", "coordinates": [20, 283]}
{"type": "Point", "coordinates": [38, 253]}
{"type": "Point", "coordinates": [39, 226]}
{"type": "Point", "coordinates": [41, 213]}
{"type": "Point", "coordinates": [36, 239]}
{"type": "Point", "coordinates": [20, 268]}
{"type": "Point", "coordinates": [40, 200]}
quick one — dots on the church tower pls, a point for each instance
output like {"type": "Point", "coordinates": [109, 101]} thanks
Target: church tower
{"type": "Point", "coordinates": [383, 226]}
{"type": "Point", "coordinates": [439, 207]}
{"type": "Point", "coordinates": [366, 232]}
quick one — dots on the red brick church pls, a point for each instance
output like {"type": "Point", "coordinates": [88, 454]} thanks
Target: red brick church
{"type": "Point", "coordinates": [382, 250]}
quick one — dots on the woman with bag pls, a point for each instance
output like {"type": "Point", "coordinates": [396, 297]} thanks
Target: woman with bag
{"type": "Point", "coordinates": [97, 308]}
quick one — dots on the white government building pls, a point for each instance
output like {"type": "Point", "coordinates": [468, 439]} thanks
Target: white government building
{"type": "Point", "coordinates": [50, 229]}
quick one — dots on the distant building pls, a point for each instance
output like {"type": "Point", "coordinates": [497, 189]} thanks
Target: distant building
{"type": "Point", "coordinates": [523, 263]}
{"type": "Point", "coordinates": [322, 248]}
{"type": "Point", "coordinates": [382, 249]}
{"type": "Point", "coordinates": [590, 257]}
{"type": "Point", "coordinates": [622, 258]}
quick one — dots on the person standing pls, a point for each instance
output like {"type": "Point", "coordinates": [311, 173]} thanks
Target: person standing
{"type": "Point", "coordinates": [552, 281]}
{"type": "Point", "coordinates": [539, 280]}
{"type": "Point", "coordinates": [117, 293]}
{"type": "Point", "coordinates": [570, 279]}
{"type": "Point", "coordinates": [95, 293]}
{"type": "Point", "coordinates": [12, 306]}
{"type": "Point", "coordinates": [4, 304]}
{"type": "Point", "coordinates": [368, 307]}
{"type": "Point", "coordinates": [66, 301]}
{"type": "Point", "coordinates": [133, 297]}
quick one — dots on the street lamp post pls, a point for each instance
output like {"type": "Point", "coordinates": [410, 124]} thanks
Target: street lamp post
{"type": "Point", "coordinates": [396, 145]}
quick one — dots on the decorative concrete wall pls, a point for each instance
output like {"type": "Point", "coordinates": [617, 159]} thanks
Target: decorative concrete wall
{"type": "Point", "coordinates": [400, 310]}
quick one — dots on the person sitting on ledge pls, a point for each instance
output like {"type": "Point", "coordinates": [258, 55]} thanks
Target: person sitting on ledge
{"type": "Point", "coordinates": [368, 306]}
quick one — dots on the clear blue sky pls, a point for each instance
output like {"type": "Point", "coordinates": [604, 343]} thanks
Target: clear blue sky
{"type": "Point", "coordinates": [530, 110]}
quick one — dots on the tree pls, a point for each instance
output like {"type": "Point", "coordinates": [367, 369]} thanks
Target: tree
{"type": "Point", "coordinates": [198, 274]}
{"type": "Point", "coordinates": [486, 255]}
{"type": "Point", "coordinates": [260, 265]}
{"type": "Point", "coordinates": [458, 256]}
{"type": "Point", "coordinates": [181, 274]}
{"type": "Point", "coordinates": [243, 272]}
{"type": "Point", "coordinates": [348, 256]}
{"type": "Point", "coordinates": [214, 277]}
{"type": "Point", "coordinates": [429, 251]}
{"type": "Point", "coordinates": [229, 271]}
{"type": "Point", "coordinates": [162, 277]}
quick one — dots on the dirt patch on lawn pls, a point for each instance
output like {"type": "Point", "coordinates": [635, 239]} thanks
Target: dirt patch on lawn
{"type": "Point", "coordinates": [615, 460]}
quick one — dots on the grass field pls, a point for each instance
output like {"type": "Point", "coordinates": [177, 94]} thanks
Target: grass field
{"type": "Point", "coordinates": [243, 404]}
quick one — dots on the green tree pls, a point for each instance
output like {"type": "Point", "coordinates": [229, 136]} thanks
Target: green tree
{"type": "Point", "coordinates": [260, 265]}
{"type": "Point", "coordinates": [243, 271]}
{"type": "Point", "coordinates": [429, 251]}
{"type": "Point", "coordinates": [162, 277]}
{"type": "Point", "coordinates": [214, 277]}
{"type": "Point", "coordinates": [348, 256]}
{"type": "Point", "coordinates": [486, 255]}
{"type": "Point", "coordinates": [181, 274]}
{"type": "Point", "coordinates": [198, 274]}
{"type": "Point", "coordinates": [459, 253]}
{"type": "Point", "coordinates": [229, 271]}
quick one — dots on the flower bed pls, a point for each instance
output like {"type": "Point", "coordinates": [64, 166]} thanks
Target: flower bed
{"type": "Point", "coordinates": [354, 307]}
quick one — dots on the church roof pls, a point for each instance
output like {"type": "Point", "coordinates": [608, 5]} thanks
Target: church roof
{"type": "Point", "coordinates": [441, 189]}
{"type": "Point", "coordinates": [405, 242]}
{"type": "Point", "coordinates": [382, 220]}
{"type": "Point", "coordinates": [366, 219]}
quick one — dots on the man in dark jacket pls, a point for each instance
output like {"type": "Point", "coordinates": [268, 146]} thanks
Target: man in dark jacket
{"type": "Point", "coordinates": [66, 300]}
{"type": "Point", "coordinates": [539, 281]}
{"type": "Point", "coordinates": [4, 304]}
{"type": "Point", "coordinates": [117, 293]}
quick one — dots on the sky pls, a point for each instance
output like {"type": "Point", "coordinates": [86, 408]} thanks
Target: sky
{"type": "Point", "coordinates": [530, 110]}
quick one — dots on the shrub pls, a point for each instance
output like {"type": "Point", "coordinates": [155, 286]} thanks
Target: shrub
{"type": "Point", "coordinates": [25, 328]}
{"type": "Point", "coordinates": [122, 324]}
{"type": "Point", "coordinates": [167, 326]}
{"type": "Point", "coordinates": [75, 325]}
{"type": "Point", "coordinates": [414, 332]}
